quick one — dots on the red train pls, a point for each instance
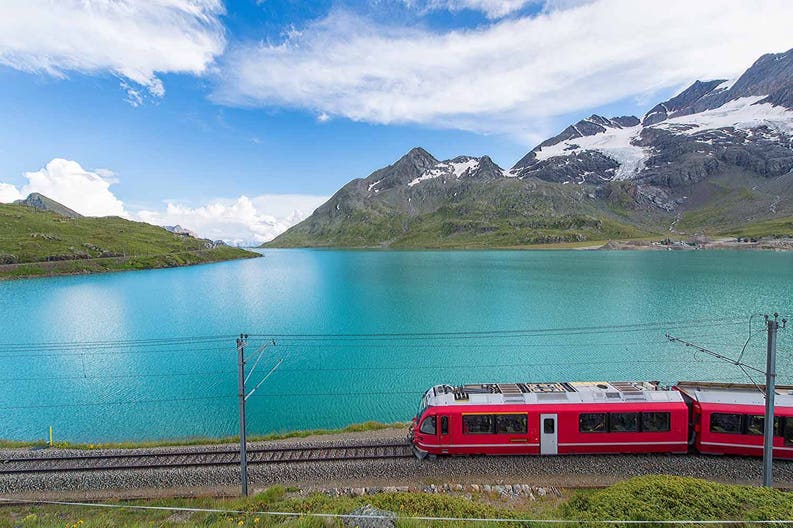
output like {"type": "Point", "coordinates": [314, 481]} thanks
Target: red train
{"type": "Point", "coordinates": [599, 417]}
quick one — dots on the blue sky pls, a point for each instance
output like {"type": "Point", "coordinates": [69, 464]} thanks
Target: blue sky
{"type": "Point", "coordinates": [171, 113]}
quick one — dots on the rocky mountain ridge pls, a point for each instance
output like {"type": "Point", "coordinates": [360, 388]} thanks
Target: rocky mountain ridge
{"type": "Point", "coordinates": [715, 157]}
{"type": "Point", "coordinates": [43, 203]}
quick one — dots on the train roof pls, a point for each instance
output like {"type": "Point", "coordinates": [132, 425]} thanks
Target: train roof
{"type": "Point", "coordinates": [734, 393]}
{"type": "Point", "coordinates": [553, 393]}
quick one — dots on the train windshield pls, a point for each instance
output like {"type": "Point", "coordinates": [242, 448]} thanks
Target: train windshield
{"type": "Point", "coordinates": [423, 404]}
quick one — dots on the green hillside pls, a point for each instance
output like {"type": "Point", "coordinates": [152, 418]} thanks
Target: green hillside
{"type": "Point", "coordinates": [501, 213]}
{"type": "Point", "coordinates": [34, 242]}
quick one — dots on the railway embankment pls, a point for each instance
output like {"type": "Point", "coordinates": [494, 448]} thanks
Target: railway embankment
{"type": "Point", "coordinates": [345, 464]}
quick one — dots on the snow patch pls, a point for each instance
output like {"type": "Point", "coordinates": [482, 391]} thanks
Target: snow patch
{"type": "Point", "coordinates": [726, 85]}
{"type": "Point", "coordinates": [615, 143]}
{"type": "Point", "coordinates": [373, 185]}
{"type": "Point", "coordinates": [741, 113]}
{"type": "Point", "coordinates": [452, 169]}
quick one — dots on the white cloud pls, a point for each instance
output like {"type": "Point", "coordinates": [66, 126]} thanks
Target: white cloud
{"type": "Point", "coordinates": [9, 193]}
{"type": "Point", "coordinates": [491, 8]}
{"type": "Point", "coordinates": [133, 39]}
{"type": "Point", "coordinates": [67, 182]}
{"type": "Point", "coordinates": [244, 221]}
{"type": "Point", "coordinates": [511, 74]}
{"type": "Point", "coordinates": [241, 221]}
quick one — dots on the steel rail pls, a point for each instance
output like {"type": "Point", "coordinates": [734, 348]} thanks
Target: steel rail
{"type": "Point", "coordinates": [201, 458]}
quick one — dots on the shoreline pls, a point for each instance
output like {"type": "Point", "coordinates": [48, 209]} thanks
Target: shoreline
{"type": "Point", "coordinates": [96, 266]}
{"type": "Point", "coordinates": [361, 427]}
{"type": "Point", "coordinates": [693, 243]}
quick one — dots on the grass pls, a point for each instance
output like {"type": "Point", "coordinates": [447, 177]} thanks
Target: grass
{"type": "Point", "coordinates": [244, 511]}
{"type": "Point", "coordinates": [36, 243]}
{"type": "Point", "coordinates": [645, 498]}
{"type": "Point", "coordinates": [353, 428]}
{"type": "Point", "coordinates": [674, 498]}
{"type": "Point", "coordinates": [776, 228]}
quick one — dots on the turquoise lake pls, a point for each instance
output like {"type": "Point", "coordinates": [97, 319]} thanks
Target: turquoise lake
{"type": "Point", "coordinates": [582, 315]}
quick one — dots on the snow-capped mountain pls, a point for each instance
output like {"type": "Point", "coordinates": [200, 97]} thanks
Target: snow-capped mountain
{"type": "Point", "coordinates": [753, 113]}
{"type": "Point", "coordinates": [717, 156]}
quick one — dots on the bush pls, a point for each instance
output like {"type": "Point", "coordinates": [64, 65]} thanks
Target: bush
{"type": "Point", "coordinates": [666, 497]}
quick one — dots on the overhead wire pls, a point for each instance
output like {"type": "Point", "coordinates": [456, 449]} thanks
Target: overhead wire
{"type": "Point", "coordinates": [423, 518]}
{"type": "Point", "coordinates": [382, 335]}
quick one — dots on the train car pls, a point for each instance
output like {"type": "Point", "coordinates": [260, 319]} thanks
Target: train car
{"type": "Point", "coordinates": [550, 419]}
{"type": "Point", "coordinates": [728, 419]}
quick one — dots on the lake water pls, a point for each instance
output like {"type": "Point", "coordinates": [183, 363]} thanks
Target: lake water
{"type": "Point", "coordinates": [582, 316]}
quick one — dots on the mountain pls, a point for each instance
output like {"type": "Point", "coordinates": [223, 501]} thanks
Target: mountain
{"type": "Point", "coordinates": [716, 159]}
{"type": "Point", "coordinates": [42, 203]}
{"type": "Point", "coordinates": [179, 230]}
{"type": "Point", "coordinates": [52, 241]}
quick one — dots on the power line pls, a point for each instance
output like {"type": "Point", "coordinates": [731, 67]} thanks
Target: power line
{"type": "Point", "coordinates": [378, 336]}
{"type": "Point", "coordinates": [384, 517]}
{"type": "Point", "coordinates": [694, 322]}
{"type": "Point", "coordinates": [115, 352]}
{"type": "Point", "coordinates": [119, 402]}
{"type": "Point", "coordinates": [122, 376]}
{"type": "Point", "coordinates": [293, 395]}
{"type": "Point", "coordinates": [405, 368]}
{"type": "Point", "coordinates": [118, 343]}
{"type": "Point", "coordinates": [494, 335]}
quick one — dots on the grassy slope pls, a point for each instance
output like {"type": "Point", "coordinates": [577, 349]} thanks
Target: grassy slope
{"type": "Point", "coordinates": [352, 428]}
{"type": "Point", "coordinates": [511, 213]}
{"type": "Point", "coordinates": [776, 228]}
{"type": "Point", "coordinates": [34, 239]}
{"type": "Point", "coordinates": [507, 214]}
{"type": "Point", "coordinates": [641, 498]}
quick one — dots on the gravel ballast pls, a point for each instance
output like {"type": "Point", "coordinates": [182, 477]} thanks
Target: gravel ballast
{"type": "Point", "coordinates": [559, 471]}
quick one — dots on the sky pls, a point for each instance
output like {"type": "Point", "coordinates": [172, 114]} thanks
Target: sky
{"type": "Point", "coordinates": [237, 119]}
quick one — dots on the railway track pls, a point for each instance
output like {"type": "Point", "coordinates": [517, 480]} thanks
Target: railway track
{"type": "Point", "coordinates": [200, 458]}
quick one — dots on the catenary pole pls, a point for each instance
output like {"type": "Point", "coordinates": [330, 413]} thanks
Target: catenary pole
{"type": "Point", "coordinates": [772, 326]}
{"type": "Point", "coordinates": [241, 343]}
{"type": "Point", "coordinates": [770, 392]}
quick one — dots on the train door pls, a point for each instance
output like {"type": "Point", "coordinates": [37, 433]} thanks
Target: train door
{"type": "Point", "coordinates": [548, 434]}
{"type": "Point", "coordinates": [443, 432]}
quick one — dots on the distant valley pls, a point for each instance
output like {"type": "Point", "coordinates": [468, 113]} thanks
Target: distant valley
{"type": "Point", "coordinates": [716, 160]}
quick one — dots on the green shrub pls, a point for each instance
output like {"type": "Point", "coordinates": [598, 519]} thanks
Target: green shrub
{"type": "Point", "coordinates": [679, 498]}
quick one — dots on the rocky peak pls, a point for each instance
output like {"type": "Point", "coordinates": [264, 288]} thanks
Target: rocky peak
{"type": "Point", "coordinates": [418, 158]}
{"type": "Point", "coordinates": [43, 203]}
{"type": "Point", "coordinates": [682, 103]}
{"type": "Point", "coordinates": [179, 230]}
{"type": "Point", "coordinates": [770, 75]}
{"type": "Point", "coordinates": [626, 121]}
{"type": "Point", "coordinates": [406, 169]}
{"type": "Point", "coordinates": [488, 169]}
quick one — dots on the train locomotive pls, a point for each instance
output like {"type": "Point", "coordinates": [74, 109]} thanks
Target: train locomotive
{"type": "Point", "coordinates": [599, 417]}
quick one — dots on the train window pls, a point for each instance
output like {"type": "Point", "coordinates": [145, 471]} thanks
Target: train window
{"type": "Point", "coordinates": [725, 423]}
{"type": "Point", "coordinates": [478, 424]}
{"type": "Point", "coordinates": [624, 422]}
{"type": "Point", "coordinates": [444, 425]}
{"type": "Point", "coordinates": [512, 423]}
{"type": "Point", "coordinates": [548, 426]}
{"type": "Point", "coordinates": [428, 425]}
{"type": "Point", "coordinates": [787, 430]}
{"type": "Point", "coordinates": [756, 422]}
{"type": "Point", "coordinates": [592, 423]}
{"type": "Point", "coordinates": [656, 422]}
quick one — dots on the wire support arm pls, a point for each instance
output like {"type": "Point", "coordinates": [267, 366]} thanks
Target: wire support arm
{"type": "Point", "coordinates": [714, 354]}
{"type": "Point", "coordinates": [264, 379]}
